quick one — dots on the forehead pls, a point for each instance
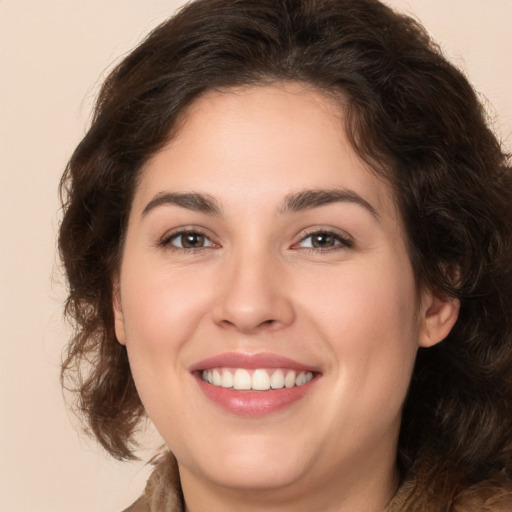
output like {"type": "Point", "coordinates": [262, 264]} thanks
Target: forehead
{"type": "Point", "coordinates": [261, 142]}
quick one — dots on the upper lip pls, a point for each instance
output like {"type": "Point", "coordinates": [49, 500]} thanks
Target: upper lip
{"type": "Point", "coordinates": [251, 362]}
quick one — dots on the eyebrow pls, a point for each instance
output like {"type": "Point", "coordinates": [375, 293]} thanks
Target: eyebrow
{"type": "Point", "coordinates": [309, 199]}
{"type": "Point", "coordinates": [190, 200]}
{"type": "Point", "coordinates": [304, 200]}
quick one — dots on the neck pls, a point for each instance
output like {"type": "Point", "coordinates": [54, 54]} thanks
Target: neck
{"type": "Point", "coordinates": [365, 489]}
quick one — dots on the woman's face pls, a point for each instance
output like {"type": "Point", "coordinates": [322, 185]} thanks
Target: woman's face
{"type": "Point", "coordinates": [261, 253]}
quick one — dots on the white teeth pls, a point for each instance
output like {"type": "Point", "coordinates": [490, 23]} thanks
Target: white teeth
{"type": "Point", "coordinates": [242, 379]}
{"type": "Point", "coordinates": [260, 380]}
{"type": "Point", "coordinates": [289, 380]}
{"type": "Point", "coordinates": [227, 379]}
{"type": "Point", "coordinates": [300, 381]}
{"type": "Point", "coordinates": [217, 378]}
{"type": "Point", "coordinates": [277, 380]}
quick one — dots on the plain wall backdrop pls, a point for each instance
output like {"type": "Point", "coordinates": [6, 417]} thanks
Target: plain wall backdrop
{"type": "Point", "coordinates": [53, 55]}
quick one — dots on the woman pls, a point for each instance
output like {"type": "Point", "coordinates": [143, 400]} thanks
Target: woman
{"type": "Point", "coordinates": [287, 236]}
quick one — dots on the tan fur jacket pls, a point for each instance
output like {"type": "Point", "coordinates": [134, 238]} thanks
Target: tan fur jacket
{"type": "Point", "coordinates": [163, 494]}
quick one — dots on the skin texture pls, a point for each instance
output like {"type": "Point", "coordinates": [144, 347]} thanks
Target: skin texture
{"type": "Point", "coordinates": [257, 285]}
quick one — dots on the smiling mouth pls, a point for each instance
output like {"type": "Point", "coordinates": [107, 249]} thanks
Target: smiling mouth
{"type": "Point", "coordinates": [260, 379]}
{"type": "Point", "coordinates": [254, 385]}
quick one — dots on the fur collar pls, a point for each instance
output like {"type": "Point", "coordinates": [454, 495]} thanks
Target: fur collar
{"type": "Point", "coordinates": [163, 489]}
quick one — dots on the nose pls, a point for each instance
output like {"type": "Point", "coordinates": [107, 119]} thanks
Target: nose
{"type": "Point", "coordinates": [253, 295]}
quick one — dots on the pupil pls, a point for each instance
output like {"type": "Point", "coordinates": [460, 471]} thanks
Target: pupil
{"type": "Point", "coordinates": [191, 240]}
{"type": "Point", "coordinates": [322, 240]}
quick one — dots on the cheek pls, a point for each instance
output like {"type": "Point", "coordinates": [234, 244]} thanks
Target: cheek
{"type": "Point", "coordinates": [363, 298]}
{"type": "Point", "coordinates": [162, 311]}
{"type": "Point", "coordinates": [369, 321]}
{"type": "Point", "coordinates": [159, 320]}
{"type": "Point", "coordinates": [161, 308]}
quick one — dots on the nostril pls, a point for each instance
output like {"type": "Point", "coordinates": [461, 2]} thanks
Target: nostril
{"type": "Point", "coordinates": [261, 325]}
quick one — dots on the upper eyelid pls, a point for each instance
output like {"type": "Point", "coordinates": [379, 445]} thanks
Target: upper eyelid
{"type": "Point", "coordinates": [342, 242]}
{"type": "Point", "coordinates": [325, 229]}
{"type": "Point", "coordinates": [169, 235]}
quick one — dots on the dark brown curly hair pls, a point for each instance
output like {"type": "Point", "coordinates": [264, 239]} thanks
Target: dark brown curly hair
{"type": "Point", "coordinates": [410, 114]}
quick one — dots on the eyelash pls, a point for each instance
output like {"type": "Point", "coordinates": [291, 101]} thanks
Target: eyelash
{"type": "Point", "coordinates": [340, 242]}
{"type": "Point", "coordinates": [166, 242]}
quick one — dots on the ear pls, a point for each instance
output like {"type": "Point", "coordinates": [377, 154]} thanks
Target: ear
{"type": "Point", "coordinates": [118, 312]}
{"type": "Point", "coordinates": [438, 315]}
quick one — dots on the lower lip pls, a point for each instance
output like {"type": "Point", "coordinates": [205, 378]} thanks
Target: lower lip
{"type": "Point", "coordinates": [254, 403]}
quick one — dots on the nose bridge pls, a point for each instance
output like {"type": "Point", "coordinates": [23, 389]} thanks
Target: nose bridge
{"type": "Point", "coordinates": [253, 294]}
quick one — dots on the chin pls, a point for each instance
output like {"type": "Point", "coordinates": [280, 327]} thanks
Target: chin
{"type": "Point", "coordinates": [250, 462]}
{"type": "Point", "coordinates": [267, 474]}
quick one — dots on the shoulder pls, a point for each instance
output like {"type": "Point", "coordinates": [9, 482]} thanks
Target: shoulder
{"type": "Point", "coordinates": [163, 490]}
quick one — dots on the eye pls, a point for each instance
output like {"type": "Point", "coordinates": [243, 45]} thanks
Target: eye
{"type": "Point", "coordinates": [187, 240]}
{"type": "Point", "coordinates": [323, 240]}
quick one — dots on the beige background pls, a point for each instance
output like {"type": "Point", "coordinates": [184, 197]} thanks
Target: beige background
{"type": "Point", "coordinates": [53, 54]}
